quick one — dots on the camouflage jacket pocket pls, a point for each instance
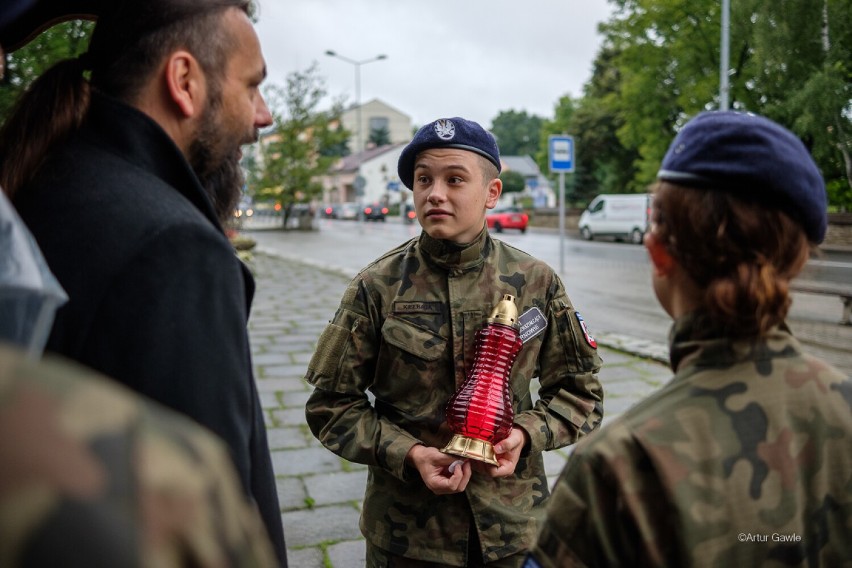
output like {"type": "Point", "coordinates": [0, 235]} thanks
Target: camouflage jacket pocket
{"type": "Point", "coordinates": [411, 338]}
{"type": "Point", "coordinates": [415, 366]}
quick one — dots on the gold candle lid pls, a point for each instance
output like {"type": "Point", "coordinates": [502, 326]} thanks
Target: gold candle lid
{"type": "Point", "coordinates": [505, 312]}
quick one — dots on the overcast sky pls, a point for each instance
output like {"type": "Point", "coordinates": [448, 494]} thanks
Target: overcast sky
{"type": "Point", "coordinates": [469, 58]}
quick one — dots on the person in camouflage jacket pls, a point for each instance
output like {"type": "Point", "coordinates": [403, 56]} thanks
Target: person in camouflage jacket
{"type": "Point", "coordinates": [404, 333]}
{"type": "Point", "coordinates": [743, 458]}
{"type": "Point", "coordinates": [95, 475]}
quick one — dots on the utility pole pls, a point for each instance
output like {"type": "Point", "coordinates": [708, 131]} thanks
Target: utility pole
{"type": "Point", "coordinates": [724, 56]}
{"type": "Point", "coordinates": [359, 140]}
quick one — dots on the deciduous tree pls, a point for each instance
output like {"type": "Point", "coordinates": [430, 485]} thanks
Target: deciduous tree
{"type": "Point", "coordinates": [294, 153]}
{"type": "Point", "coordinates": [517, 132]}
{"type": "Point", "coordinates": [513, 182]}
{"type": "Point", "coordinates": [24, 65]}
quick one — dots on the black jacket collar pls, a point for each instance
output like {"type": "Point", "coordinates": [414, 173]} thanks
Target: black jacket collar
{"type": "Point", "coordinates": [140, 140]}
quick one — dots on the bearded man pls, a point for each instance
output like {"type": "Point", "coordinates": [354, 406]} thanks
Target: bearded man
{"type": "Point", "coordinates": [123, 163]}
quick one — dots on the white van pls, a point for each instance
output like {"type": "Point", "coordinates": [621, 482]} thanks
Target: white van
{"type": "Point", "coordinates": [623, 216]}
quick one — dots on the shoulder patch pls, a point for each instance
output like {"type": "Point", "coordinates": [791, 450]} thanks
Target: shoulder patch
{"type": "Point", "coordinates": [589, 339]}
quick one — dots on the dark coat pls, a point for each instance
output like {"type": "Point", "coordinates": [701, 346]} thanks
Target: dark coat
{"type": "Point", "coordinates": [158, 298]}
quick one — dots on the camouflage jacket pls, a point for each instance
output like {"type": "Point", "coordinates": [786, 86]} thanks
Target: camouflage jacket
{"type": "Point", "coordinates": [743, 459]}
{"type": "Point", "coordinates": [405, 332]}
{"type": "Point", "coordinates": [92, 474]}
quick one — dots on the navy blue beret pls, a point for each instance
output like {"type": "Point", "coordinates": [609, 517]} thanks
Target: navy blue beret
{"type": "Point", "coordinates": [22, 20]}
{"type": "Point", "coordinates": [751, 156]}
{"type": "Point", "coordinates": [447, 133]}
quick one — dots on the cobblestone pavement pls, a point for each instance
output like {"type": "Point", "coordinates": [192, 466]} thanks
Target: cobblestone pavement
{"type": "Point", "coordinates": [321, 494]}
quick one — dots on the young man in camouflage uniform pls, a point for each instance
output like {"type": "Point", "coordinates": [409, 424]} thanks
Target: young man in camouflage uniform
{"type": "Point", "coordinates": [743, 458]}
{"type": "Point", "coordinates": [404, 332]}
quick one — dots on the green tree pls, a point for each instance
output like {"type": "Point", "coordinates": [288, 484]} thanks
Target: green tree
{"type": "Point", "coordinates": [513, 182]}
{"type": "Point", "coordinates": [380, 136]}
{"type": "Point", "coordinates": [295, 151]}
{"type": "Point", "coordinates": [800, 65]}
{"type": "Point", "coordinates": [517, 133]}
{"type": "Point", "coordinates": [602, 163]}
{"type": "Point", "coordinates": [666, 56]}
{"type": "Point", "coordinates": [24, 65]}
{"type": "Point", "coordinates": [789, 61]}
{"type": "Point", "coordinates": [336, 150]}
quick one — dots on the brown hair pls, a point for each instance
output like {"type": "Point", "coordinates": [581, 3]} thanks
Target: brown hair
{"type": "Point", "coordinates": [742, 253]}
{"type": "Point", "coordinates": [489, 170]}
{"type": "Point", "coordinates": [126, 48]}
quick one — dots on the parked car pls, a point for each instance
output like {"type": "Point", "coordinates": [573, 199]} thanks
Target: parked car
{"type": "Point", "coordinates": [245, 208]}
{"type": "Point", "coordinates": [301, 216]}
{"type": "Point", "coordinates": [375, 212]}
{"type": "Point", "coordinates": [348, 211]}
{"type": "Point", "coordinates": [331, 211]}
{"type": "Point", "coordinates": [623, 216]}
{"type": "Point", "coordinates": [507, 218]}
{"type": "Point", "coordinates": [409, 215]}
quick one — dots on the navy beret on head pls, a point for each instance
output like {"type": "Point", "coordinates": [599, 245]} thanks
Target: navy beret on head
{"type": "Point", "coordinates": [447, 133]}
{"type": "Point", "coordinates": [22, 20]}
{"type": "Point", "coordinates": [753, 157]}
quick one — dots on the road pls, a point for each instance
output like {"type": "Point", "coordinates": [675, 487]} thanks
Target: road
{"type": "Point", "coordinates": [608, 282]}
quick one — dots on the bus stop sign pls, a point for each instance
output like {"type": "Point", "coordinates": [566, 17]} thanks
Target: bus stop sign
{"type": "Point", "coordinates": [560, 150]}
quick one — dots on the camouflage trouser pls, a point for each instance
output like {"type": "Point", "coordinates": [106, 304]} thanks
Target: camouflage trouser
{"type": "Point", "coordinates": [378, 558]}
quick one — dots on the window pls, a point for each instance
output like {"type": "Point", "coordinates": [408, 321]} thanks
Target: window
{"type": "Point", "coordinates": [379, 123]}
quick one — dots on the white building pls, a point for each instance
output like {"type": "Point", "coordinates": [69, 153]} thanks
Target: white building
{"type": "Point", "coordinates": [374, 169]}
{"type": "Point", "coordinates": [374, 115]}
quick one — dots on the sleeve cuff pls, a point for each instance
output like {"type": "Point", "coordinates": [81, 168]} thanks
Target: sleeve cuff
{"type": "Point", "coordinates": [538, 436]}
{"type": "Point", "coordinates": [395, 455]}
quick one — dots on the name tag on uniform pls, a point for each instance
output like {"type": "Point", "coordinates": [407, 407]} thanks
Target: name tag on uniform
{"type": "Point", "coordinates": [531, 323]}
{"type": "Point", "coordinates": [400, 307]}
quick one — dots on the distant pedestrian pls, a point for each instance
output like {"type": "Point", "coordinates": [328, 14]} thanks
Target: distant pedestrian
{"type": "Point", "coordinates": [404, 333]}
{"type": "Point", "coordinates": [744, 458]}
{"type": "Point", "coordinates": [124, 162]}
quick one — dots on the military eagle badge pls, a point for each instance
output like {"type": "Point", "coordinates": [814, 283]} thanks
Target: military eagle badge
{"type": "Point", "coordinates": [445, 129]}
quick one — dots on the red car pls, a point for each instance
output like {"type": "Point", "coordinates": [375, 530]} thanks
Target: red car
{"type": "Point", "coordinates": [507, 218]}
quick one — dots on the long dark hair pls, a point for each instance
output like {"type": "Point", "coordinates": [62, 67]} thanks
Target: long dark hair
{"type": "Point", "coordinates": [127, 46]}
{"type": "Point", "coordinates": [742, 253]}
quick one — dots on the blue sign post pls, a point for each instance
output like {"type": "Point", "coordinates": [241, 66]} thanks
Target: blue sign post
{"type": "Point", "coordinates": [560, 151]}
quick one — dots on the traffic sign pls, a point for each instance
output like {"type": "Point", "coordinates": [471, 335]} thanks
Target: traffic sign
{"type": "Point", "coordinates": [560, 150]}
{"type": "Point", "coordinates": [360, 183]}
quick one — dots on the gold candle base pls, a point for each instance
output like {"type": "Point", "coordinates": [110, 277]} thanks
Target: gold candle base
{"type": "Point", "coordinates": [471, 448]}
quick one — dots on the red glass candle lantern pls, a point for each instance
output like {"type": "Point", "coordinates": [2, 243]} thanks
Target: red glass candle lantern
{"type": "Point", "coordinates": [480, 413]}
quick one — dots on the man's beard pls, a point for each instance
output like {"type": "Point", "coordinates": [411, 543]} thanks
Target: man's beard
{"type": "Point", "coordinates": [218, 169]}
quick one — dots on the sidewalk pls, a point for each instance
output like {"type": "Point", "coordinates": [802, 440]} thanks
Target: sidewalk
{"type": "Point", "coordinates": [321, 494]}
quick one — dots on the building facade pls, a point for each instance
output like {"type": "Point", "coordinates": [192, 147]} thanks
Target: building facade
{"type": "Point", "coordinates": [374, 170]}
{"type": "Point", "coordinates": [374, 115]}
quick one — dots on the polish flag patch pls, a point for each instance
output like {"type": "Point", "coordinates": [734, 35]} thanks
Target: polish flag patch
{"type": "Point", "coordinates": [589, 339]}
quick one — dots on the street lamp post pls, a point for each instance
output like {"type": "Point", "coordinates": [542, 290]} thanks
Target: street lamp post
{"type": "Point", "coordinates": [359, 143]}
